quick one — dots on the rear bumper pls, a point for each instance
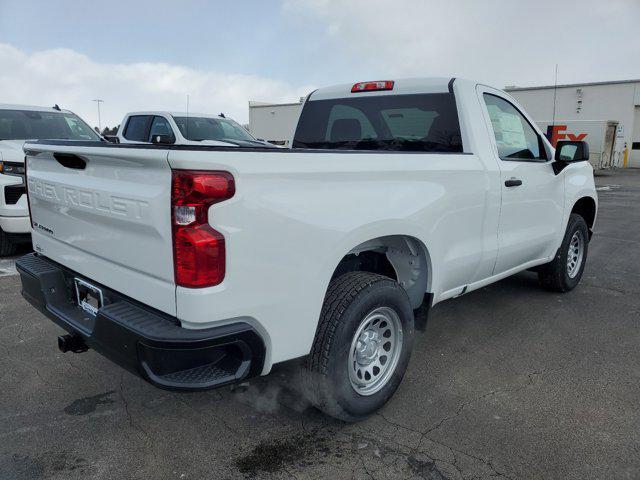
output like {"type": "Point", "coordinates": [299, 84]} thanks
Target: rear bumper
{"type": "Point", "coordinates": [145, 341]}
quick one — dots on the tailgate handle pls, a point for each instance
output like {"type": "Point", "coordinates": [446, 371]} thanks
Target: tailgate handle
{"type": "Point", "coordinates": [69, 160]}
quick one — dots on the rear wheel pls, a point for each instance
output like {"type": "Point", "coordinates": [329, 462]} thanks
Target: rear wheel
{"type": "Point", "coordinates": [565, 271]}
{"type": "Point", "coordinates": [362, 346]}
{"type": "Point", "coordinates": [7, 245]}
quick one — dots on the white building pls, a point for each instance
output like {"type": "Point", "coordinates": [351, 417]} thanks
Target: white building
{"type": "Point", "coordinates": [616, 102]}
{"type": "Point", "coordinates": [274, 122]}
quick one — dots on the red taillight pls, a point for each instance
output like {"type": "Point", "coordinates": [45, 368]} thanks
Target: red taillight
{"type": "Point", "coordinates": [198, 249]}
{"type": "Point", "coordinates": [372, 86]}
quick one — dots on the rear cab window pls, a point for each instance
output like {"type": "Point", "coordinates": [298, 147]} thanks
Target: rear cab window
{"type": "Point", "coordinates": [413, 122]}
{"type": "Point", "coordinates": [137, 129]}
{"type": "Point", "coordinates": [160, 126]}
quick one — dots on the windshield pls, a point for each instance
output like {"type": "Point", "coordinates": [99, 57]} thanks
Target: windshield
{"type": "Point", "coordinates": [33, 125]}
{"type": "Point", "coordinates": [424, 123]}
{"type": "Point", "coordinates": [203, 128]}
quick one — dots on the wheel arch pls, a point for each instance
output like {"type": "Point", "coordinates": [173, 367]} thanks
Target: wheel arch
{"type": "Point", "coordinates": [586, 207]}
{"type": "Point", "coordinates": [404, 258]}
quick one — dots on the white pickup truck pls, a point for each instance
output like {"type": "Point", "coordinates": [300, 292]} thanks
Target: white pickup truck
{"type": "Point", "coordinates": [181, 128]}
{"type": "Point", "coordinates": [19, 123]}
{"type": "Point", "coordinates": [199, 266]}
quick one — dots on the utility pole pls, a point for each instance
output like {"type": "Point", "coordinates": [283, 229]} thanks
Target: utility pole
{"type": "Point", "coordinates": [555, 91]}
{"type": "Point", "coordinates": [188, 117]}
{"type": "Point", "coordinates": [98, 101]}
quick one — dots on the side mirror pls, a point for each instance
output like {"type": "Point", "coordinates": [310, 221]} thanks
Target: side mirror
{"type": "Point", "coordinates": [162, 140]}
{"type": "Point", "coordinates": [570, 151]}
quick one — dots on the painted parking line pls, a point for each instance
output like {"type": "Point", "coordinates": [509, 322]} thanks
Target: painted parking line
{"type": "Point", "coordinates": [607, 187]}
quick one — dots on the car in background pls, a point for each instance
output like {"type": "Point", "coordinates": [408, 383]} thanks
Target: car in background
{"type": "Point", "coordinates": [19, 123]}
{"type": "Point", "coordinates": [174, 128]}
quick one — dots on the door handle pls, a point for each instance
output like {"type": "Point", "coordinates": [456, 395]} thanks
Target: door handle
{"type": "Point", "coordinates": [69, 160]}
{"type": "Point", "coordinates": [514, 182]}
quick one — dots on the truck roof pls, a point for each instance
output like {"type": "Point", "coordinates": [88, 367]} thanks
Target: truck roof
{"type": "Point", "coordinates": [174, 114]}
{"type": "Point", "coordinates": [33, 108]}
{"type": "Point", "coordinates": [400, 86]}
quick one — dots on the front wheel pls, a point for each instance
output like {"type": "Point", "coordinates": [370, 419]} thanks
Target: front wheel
{"type": "Point", "coordinates": [564, 272]}
{"type": "Point", "coordinates": [362, 347]}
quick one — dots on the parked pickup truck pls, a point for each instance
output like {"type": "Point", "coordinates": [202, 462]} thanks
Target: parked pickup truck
{"type": "Point", "coordinates": [199, 266]}
{"type": "Point", "coordinates": [17, 124]}
{"type": "Point", "coordinates": [174, 128]}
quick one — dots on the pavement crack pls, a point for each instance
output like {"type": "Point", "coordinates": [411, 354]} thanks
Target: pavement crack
{"type": "Point", "coordinates": [455, 464]}
{"type": "Point", "coordinates": [399, 425]}
{"type": "Point", "coordinates": [416, 449]}
{"type": "Point", "coordinates": [459, 410]}
{"type": "Point", "coordinates": [364, 466]}
{"type": "Point", "coordinates": [454, 451]}
{"type": "Point", "coordinates": [125, 403]}
{"type": "Point", "coordinates": [486, 462]}
{"type": "Point", "coordinates": [44, 380]}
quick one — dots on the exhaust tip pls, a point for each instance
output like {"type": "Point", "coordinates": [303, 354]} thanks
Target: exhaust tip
{"type": "Point", "coordinates": [72, 343]}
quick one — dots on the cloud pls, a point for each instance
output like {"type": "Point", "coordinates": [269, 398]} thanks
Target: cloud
{"type": "Point", "coordinates": [503, 42]}
{"type": "Point", "coordinates": [323, 42]}
{"type": "Point", "coordinates": [73, 80]}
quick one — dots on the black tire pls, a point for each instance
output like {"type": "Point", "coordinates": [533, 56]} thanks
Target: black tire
{"type": "Point", "coordinates": [7, 246]}
{"type": "Point", "coordinates": [349, 300]}
{"type": "Point", "coordinates": [554, 276]}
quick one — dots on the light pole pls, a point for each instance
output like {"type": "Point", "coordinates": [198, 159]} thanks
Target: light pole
{"type": "Point", "coordinates": [98, 101]}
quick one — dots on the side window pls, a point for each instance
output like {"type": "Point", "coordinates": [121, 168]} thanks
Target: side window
{"type": "Point", "coordinates": [78, 128]}
{"type": "Point", "coordinates": [137, 128]}
{"type": "Point", "coordinates": [230, 130]}
{"type": "Point", "coordinates": [160, 126]}
{"type": "Point", "coordinates": [348, 124]}
{"type": "Point", "coordinates": [5, 128]}
{"type": "Point", "coordinates": [515, 137]}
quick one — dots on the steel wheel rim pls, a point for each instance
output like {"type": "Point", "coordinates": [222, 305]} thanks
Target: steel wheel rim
{"type": "Point", "coordinates": [575, 254]}
{"type": "Point", "coordinates": [375, 351]}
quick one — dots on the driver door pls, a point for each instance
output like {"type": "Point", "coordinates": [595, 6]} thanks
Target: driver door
{"type": "Point", "coordinates": [532, 195]}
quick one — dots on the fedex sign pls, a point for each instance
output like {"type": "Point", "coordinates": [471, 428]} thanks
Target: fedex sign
{"type": "Point", "coordinates": [559, 132]}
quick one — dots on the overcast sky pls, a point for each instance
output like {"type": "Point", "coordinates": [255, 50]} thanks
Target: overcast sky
{"type": "Point", "coordinates": [139, 55]}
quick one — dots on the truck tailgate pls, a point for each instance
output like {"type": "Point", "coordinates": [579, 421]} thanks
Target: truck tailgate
{"type": "Point", "coordinates": [105, 213]}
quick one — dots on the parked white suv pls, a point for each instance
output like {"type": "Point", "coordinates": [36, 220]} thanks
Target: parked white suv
{"type": "Point", "coordinates": [198, 266]}
{"type": "Point", "coordinates": [19, 123]}
{"type": "Point", "coordinates": [176, 128]}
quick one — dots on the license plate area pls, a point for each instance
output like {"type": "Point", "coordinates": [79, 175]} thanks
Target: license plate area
{"type": "Point", "coordinates": [89, 297]}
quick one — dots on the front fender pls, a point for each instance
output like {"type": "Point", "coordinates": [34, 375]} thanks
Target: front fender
{"type": "Point", "coordinates": [579, 183]}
